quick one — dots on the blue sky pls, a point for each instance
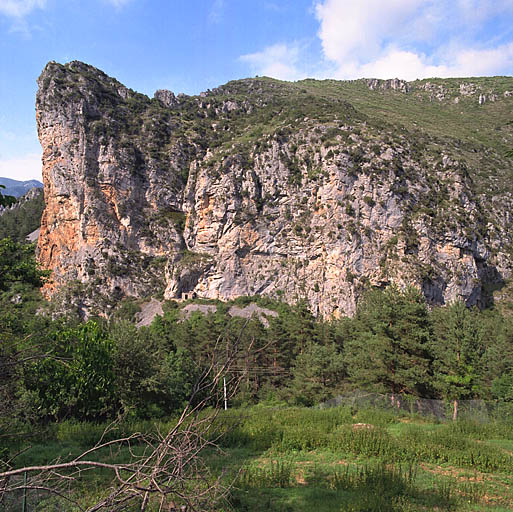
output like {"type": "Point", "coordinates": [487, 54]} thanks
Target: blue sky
{"type": "Point", "coordinates": [191, 45]}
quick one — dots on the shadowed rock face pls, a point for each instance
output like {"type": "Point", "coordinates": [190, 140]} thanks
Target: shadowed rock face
{"type": "Point", "coordinates": [257, 187]}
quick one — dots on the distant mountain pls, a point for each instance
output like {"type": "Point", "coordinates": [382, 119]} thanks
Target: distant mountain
{"type": "Point", "coordinates": [18, 188]}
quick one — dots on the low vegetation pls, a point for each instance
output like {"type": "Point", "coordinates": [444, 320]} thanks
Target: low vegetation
{"type": "Point", "coordinates": [296, 459]}
{"type": "Point", "coordinates": [64, 382]}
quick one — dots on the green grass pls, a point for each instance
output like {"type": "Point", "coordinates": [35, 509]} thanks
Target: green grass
{"type": "Point", "coordinates": [297, 459]}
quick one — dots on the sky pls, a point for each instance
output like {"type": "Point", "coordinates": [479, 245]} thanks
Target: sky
{"type": "Point", "coordinates": [192, 45]}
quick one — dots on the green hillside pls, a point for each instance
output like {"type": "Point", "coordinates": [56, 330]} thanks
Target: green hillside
{"type": "Point", "coordinates": [125, 410]}
{"type": "Point", "coordinates": [480, 133]}
{"type": "Point", "coordinates": [23, 217]}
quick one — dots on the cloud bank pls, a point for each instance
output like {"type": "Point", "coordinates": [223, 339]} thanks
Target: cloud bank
{"type": "Point", "coordinates": [413, 38]}
{"type": "Point", "coordinates": [407, 39]}
{"type": "Point", "coordinates": [278, 61]}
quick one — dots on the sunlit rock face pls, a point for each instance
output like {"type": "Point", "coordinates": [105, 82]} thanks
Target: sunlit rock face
{"type": "Point", "coordinates": [257, 187]}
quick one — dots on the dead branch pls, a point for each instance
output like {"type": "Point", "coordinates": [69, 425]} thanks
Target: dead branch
{"type": "Point", "coordinates": [171, 469]}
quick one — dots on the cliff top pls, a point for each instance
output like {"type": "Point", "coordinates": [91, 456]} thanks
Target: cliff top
{"type": "Point", "coordinates": [472, 114]}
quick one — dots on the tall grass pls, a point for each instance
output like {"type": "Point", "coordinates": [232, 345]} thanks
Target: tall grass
{"type": "Point", "coordinates": [275, 474]}
{"type": "Point", "coordinates": [293, 430]}
{"type": "Point", "coordinates": [357, 435]}
{"type": "Point", "coordinates": [374, 458]}
{"type": "Point", "coordinates": [372, 487]}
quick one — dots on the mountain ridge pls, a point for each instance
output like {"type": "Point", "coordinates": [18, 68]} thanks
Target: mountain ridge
{"type": "Point", "coordinates": [18, 188]}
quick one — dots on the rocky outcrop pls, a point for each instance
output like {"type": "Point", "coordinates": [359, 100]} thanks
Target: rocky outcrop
{"type": "Point", "coordinates": [257, 187]}
{"type": "Point", "coordinates": [33, 193]}
{"type": "Point", "coordinates": [106, 186]}
{"type": "Point", "coordinates": [167, 98]}
{"type": "Point", "coordinates": [449, 91]}
{"type": "Point", "coordinates": [394, 83]}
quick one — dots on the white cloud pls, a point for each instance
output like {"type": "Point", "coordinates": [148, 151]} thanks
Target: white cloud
{"type": "Point", "coordinates": [412, 38]}
{"type": "Point", "coordinates": [20, 8]}
{"type": "Point", "coordinates": [356, 28]}
{"type": "Point", "coordinates": [399, 38]}
{"type": "Point", "coordinates": [23, 168]}
{"type": "Point", "coordinates": [394, 63]}
{"type": "Point", "coordinates": [409, 65]}
{"type": "Point", "coordinates": [17, 10]}
{"type": "Point", "coordinates": [278, 61]}
{"type": "Point", "coordinates": [471, 62]}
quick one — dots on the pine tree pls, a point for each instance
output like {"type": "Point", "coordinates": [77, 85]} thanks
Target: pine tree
{"type": "Point", "coordinates": [318, 374]}
{"type": "Point", "coordinates": [388, 350]}
{"type": "Point", "coordinates": [458, 348]}
{"type": "Point", "coordinates": [497, 338]}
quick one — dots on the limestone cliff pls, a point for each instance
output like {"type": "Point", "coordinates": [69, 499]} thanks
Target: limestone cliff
{"type": "Point", "coordinates": [311, 190]}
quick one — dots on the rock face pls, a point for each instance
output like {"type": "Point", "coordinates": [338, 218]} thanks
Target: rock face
{"type": "Point", "coordinates": [395, 84]}
{"type": "Point", "coordinates": [261, 187]}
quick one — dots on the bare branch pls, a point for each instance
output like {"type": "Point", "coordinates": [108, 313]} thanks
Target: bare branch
{"type": "Point", "coordinates": [171, 468]}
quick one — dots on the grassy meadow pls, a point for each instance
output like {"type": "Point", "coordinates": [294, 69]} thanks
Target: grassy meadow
{"type": "Point", "coordinates": [301, 459]}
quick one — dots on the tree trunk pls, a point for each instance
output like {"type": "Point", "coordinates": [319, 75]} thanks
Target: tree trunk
{"type": "Point", "coordinates": [455, 410]}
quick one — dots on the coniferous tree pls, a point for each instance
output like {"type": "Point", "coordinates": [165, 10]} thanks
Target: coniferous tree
{"type": "Point", "coordinates": [17, 265]}
{"type": "Point", "coordinates": [300, 325]}
{"type": "Point", "coordinates": [388, 350]}
{"type": "Point", "coordinates": [497, 338]}
{"type": "Point", "coordinates": [318, 374]}
{"type": "Point", "coordinates": [458, 348]}
{"type": "Point", "coordinates": [282, 348]}
{"type": "Point", "coordinates": [22, 220]}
